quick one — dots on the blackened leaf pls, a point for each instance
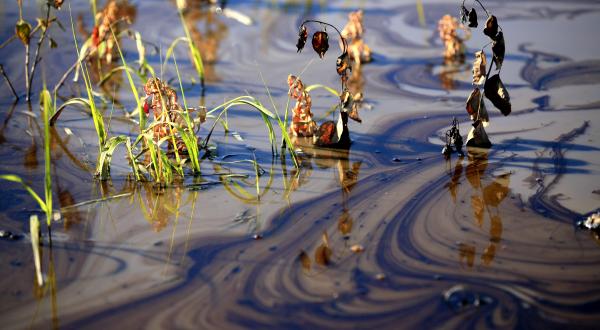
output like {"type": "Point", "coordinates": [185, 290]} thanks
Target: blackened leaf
{"type": "Point", "coordinates": [464, 14]}
{"type": "Point", "coordinates": [23, 30]}
{"type": "Point", "coordinates": [342, 64]}
{"type": "Point", "coordinates": [498, 49]}
{"type": "Point", "coordinates": [473, 18]}
{"type": "Point", "coordinates": [496, 92]}
{"type": "Point", "coordinates": [320, 43]}
{"type": "Point", "coordinates": [491, 27]}
{"type": "Point", "coordinates": [302, 36]}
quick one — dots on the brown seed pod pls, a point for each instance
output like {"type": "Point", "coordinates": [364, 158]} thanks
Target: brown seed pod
{"type": "Point", "coordinates": [498, 49]}
{"type": "Point", "coordinates": [23, 30]}
{"type": "Point", "coordinates": [491, 27]}
{"type": "Point", "coordinates": [473, 18]}
{"type": "Point", "coordinates": [320, 43]}
{"type": "Point", "coordinates": [496, 92]}
{"type": "Point", "coordinates": [302, 36]}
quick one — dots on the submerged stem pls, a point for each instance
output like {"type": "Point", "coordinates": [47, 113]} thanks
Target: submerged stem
{"type": "Point", "coordinates": [12, 89]}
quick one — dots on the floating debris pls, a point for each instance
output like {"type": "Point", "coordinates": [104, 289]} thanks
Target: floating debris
{"type": "Point", "coordinates": [460, 298]}
{"type": "Point", "coordinates": [380, 276]}
{"type": "Point", "coordinates": [5, 234]}
{"type": "Point", "coordinates": [357, 248]}
{"type": "Point", "coordinates": [592, 222]}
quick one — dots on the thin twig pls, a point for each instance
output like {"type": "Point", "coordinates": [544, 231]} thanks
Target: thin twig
{"type": "Point", "coordinates": [12, 89]}
{"type": "Point", "coordinates": [37, 51]}
{"type": "Point", "coordinates": [27, 70]}
{"type": "Point", "coordinates": [71, 69]}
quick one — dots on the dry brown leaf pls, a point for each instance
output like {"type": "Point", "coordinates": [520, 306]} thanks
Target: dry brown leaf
{"type": "Point", "coordinates": [479, 66]}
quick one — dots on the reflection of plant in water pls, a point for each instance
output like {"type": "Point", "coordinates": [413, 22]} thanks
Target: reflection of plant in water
{"type": "Point", "coordinates": [207, 39]}
{"type": "Point", "coordinates": [358, 50]}
{"type": "Point", "coordinates": [347, 174]}
{"type": "Point", "coordinates": [486, 199]}
{"type": "Point", "coordinates": [454, 48]}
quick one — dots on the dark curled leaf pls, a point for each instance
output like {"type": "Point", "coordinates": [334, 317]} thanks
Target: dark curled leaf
{"type": "Point", "coordinates": [464, 14]}
{"type": "Point", "coordinates": [320, 43]}
{"type": "Point", "coordinates": [491, 27]}
{"type": "Point", "coordinates": [498, 49]}
{"type": "Point", "coordinates": [473, 18]}
{"type": "Point", "coordinates": [302, 36]}
{"type": "Point", "coordinates": [496, 92]}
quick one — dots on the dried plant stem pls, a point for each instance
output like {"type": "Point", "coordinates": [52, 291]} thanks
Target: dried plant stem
{"type": "Point", "coordinates": [27, 70]}
{"type": "Point", "coordinates": [37, 52]}
{"type": "Point", "coordinates": [71, 69]}
{"type": "Point", "coordinates": [12, 89]}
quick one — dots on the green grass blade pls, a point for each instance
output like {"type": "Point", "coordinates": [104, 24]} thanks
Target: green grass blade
{"type": "Point", "coordinates": [142, 115]}
{"type": "Point", "coordinates": [46, 101]}
{"type": "Point", "coordinates": [17, 179]}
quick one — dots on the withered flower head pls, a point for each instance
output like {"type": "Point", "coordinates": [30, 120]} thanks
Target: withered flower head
{"type": "Point", "coordinates": [491, 27]}
{"type": "Point", "coordinates": [320, 43]}
{"type": "Point", "coordinates": [302, 36]}
{"type": "Point", "coordinates": [473, 18]}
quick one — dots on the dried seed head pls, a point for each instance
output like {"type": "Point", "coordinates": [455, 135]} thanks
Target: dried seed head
{"type": "Point", "coordinates": [302, 36]}
{"type": "Point", "coordinates": [320, 43]}
{"type": "Point", "coordinates": [491, 27]}
{"type": "Point", "coordinates": [473, 18]}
